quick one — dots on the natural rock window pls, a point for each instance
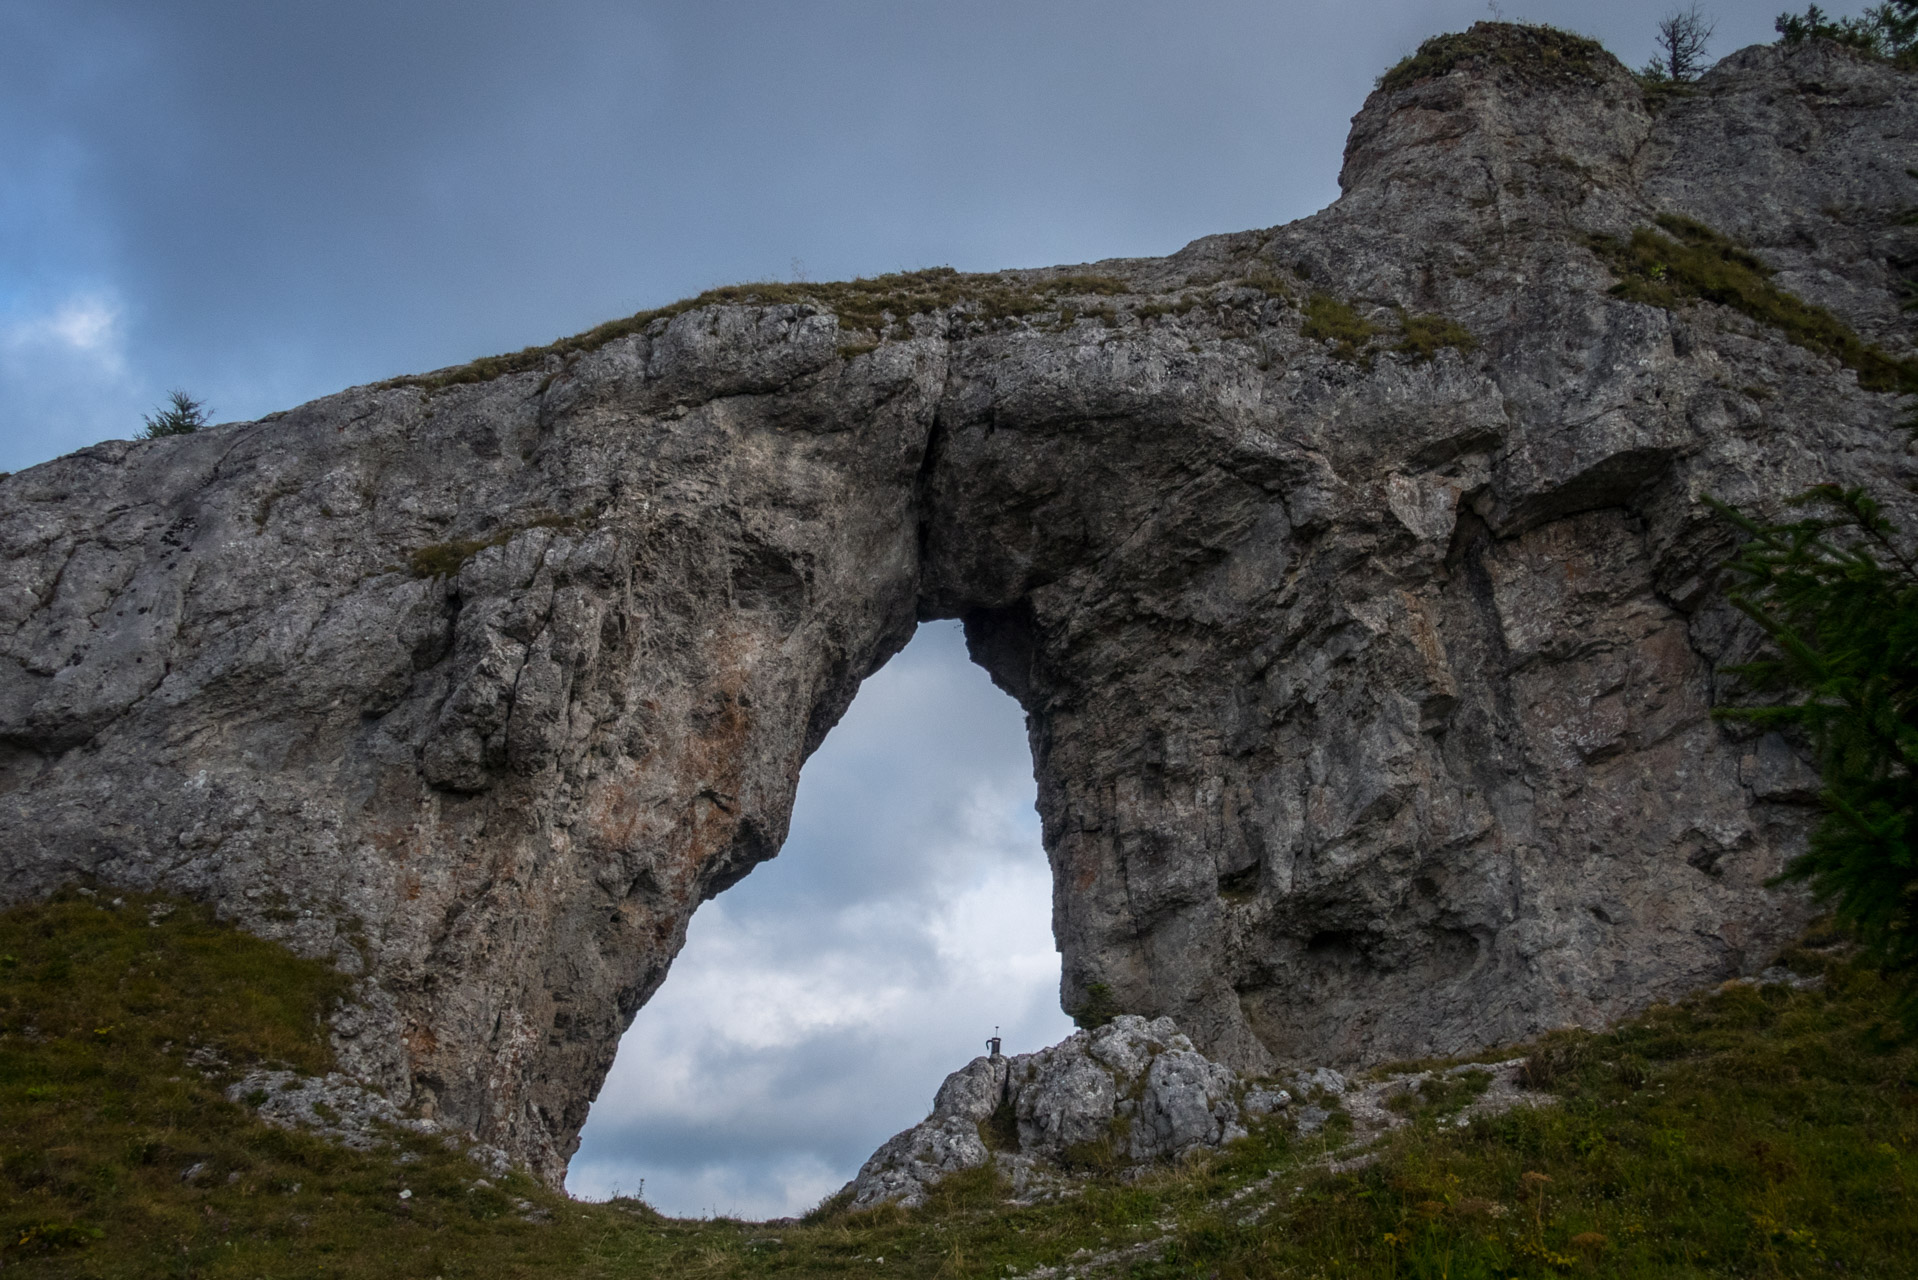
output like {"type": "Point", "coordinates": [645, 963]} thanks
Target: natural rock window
{"type": "Point", "coordinates": [819, 1002]}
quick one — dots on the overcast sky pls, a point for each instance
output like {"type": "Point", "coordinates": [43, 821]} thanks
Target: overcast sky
{"type": "Point", "coordinates": [263, 202]}
{"type": "Point", "coordinates": [818, 1005]}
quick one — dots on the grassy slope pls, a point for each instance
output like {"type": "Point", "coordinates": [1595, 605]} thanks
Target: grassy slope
{"type": "Point", "coordinates": [1752, 1132]}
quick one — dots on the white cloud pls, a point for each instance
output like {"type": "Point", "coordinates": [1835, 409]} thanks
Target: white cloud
{"type": "Point", "coordinates": [86, 325]}
{"type": "Point", "coordinates": [64, 380]}
{"type": "Point", "coordinates": [1001, 928]}
{"type": "Point", "coordinates": [90, 325]}
{"type": "Point", "coordinates": [817, 1006]}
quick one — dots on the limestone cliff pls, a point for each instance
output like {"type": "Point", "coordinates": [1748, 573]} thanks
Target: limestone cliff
{"type": "Point", "coordinates": [1353, 576]}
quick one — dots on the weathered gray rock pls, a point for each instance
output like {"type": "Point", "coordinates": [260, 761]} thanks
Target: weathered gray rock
{"type": "Point", "coordinates": [1369, 699]}
{"type": "Point", "coordinates": [1187, 1103]}
{"type": "Point", "coordinates": [343, 1110]}
{"type": "Point", "coordinates": [334, 1106]}
{"type": "Point", "coordinates": [1134, 1088]}
{"type": "Point", "coordinates": [910, 1164]}
{"type": "Point", "coordinates": [1131, 1094]}
{"type": "Point", "coordinates": [1311, 1119]}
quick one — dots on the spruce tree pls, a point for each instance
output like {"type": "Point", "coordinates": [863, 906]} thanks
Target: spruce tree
{"type": "Point", "coordinates": [183, 416]}
{"type": "Point", "coordinates": [1837, 595]}
{"type": "Point", "coordinates": [1889, 30]}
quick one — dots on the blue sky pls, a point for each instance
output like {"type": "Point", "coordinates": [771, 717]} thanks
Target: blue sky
{"type": "Point", "coordinates": [262, 203]}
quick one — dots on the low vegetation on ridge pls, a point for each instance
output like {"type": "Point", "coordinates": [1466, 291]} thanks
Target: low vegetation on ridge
{"type": "Point", "coordinates": [1692, 262]}
{"type": "Point", "coordinates": [1535, 51]}
{"type": "Point", "coordinates": [874, 306]}
{"type": "Point", "coordinates": [1762, 1130]}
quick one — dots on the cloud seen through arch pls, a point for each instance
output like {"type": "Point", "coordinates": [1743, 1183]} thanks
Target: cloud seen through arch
{"type": "Point", "coordinates": [818, 1003]}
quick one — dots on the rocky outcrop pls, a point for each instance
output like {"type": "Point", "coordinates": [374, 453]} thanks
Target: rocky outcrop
{"type": "Point", "coordinates": [1132, 1094]}
{"type": "Point", "coordinates": [1128, 1094]}
{"type": "Point", "coordinates": [1354, 576]}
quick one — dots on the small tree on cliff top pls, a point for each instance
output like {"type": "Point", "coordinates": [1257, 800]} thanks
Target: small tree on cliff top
{"type": "Point", "coordinates": [182, 417]}
{"type": "Point", "coordinates": [1683, 35]}
{"type": "Point", "coordinates": [1837, 595]}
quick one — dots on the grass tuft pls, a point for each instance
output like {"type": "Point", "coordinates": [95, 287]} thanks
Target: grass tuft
{"type": "Point", "coordinates": [445, 559]}
{"type": "Point", "coordinates": [1426, 335]}
{"type": "Point", "coordinates": [1328, 319]}
{"type": "Point", "coordinates": [1695, 263]}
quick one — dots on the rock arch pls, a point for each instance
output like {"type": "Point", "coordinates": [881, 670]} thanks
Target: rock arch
{"type": "Point", "coordinates": [1368, 682]}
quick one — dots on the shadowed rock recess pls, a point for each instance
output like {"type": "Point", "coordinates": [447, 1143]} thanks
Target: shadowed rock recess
{"type": "Point", "coordinates": [1354, 577]}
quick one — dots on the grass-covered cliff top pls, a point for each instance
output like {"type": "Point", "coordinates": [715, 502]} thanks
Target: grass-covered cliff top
{"type": "Point", "coordinates": [867, 306]}
{"type": "Point", "coordinates": [1755, 1131]}
{"type": "Point", "coordinates": [1532, 50]}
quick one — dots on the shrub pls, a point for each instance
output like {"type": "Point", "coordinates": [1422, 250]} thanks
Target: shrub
{"type": "Point", "coordinates": [1098, 1008]}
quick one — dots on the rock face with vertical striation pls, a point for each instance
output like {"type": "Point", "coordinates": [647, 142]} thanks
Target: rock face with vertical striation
{"type": "Point", "coordinates": [1354, 576]}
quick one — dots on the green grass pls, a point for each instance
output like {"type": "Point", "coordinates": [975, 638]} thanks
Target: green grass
{"type": "Point", "coordinates": [102, 1113]}
{"type": "Point", "coordinates": [1425, 335]}
{"type": "Point", "coordinates": [876, 308]}
{"type": "Point", "coordinates": [1330, 319]}
{"type": "Point", "coordinates": [444, 559]}
{"type": "Point", "coordinates": [1748, 1132]}
{"type": "Point", "coordinates": [1421, 336]}
{"type": "Point", "coordinates": [1266, 281]}
{"type": "Point", "coordinates": [1695, 263]}
{"type": "Point", "coordinates": [1538, 52]}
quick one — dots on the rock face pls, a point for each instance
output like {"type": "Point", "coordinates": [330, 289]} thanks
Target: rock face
{"type": "Point", "coordinates": [1368, 692]}
{"type": "Point", "coordinates": [1137, 1091]}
